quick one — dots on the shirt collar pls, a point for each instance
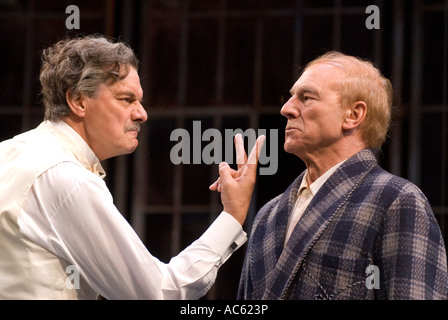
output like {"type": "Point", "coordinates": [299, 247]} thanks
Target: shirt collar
{"type": "Point", "coordinates": [80, 148]}
{"type": "Point", "coordinates": [315, 186]}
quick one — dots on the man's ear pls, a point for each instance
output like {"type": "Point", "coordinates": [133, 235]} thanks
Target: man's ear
{"type": "Point", "coordinates": [355, 115]}
{"type": "Point", "coordinates": [76, 103]}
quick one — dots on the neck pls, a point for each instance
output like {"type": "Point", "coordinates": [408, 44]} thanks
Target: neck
{"type": "Point", "coordinates": [321, 160]}
{"type": "Point", "coordinates": [76, 124]}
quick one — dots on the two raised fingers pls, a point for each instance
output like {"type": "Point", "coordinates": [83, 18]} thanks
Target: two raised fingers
{"type": "Point", "coordinates": [241, 158]}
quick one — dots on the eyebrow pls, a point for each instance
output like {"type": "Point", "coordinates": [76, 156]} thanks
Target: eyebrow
{"type": "Point", "coordinates": [129, 94]}
{"type": "Point", "coordinates": [304, 90]}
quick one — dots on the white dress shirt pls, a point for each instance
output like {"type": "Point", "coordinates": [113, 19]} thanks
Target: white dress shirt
{"type": "Point", "coordinates": [70, 212]}
{"type": "Point", "coordinates": [304, 196]}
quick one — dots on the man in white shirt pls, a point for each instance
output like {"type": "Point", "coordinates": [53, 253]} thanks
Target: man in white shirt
{"type": "Point", "coordinates": [56, 213]}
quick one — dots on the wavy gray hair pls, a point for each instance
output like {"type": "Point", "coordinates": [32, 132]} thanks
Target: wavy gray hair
{"type": "Point", "coordinates": [81, 65]}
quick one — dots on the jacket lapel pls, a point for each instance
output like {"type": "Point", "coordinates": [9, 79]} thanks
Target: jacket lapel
{"type": "Point", "coordinates": [268, 237]}
{"type": "Point", "coordinates": [325, 205]}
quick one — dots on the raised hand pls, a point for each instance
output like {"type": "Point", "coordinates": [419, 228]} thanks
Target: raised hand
{"type": "Point", "coordinates": [236, 186]}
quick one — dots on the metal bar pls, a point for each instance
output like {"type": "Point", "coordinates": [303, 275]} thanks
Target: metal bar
{"type": "Point", "coordinates": [397, 77]}
{"type": "Point", "coordinates": [183, 55]}
{"type": "Point", "coordinates": [221, 55]}
{"type": "Point", "coordinates": [443, 195]}
{"type": "Point", "coordinates": [414, 156]}
{"type": "Point", "coordinates": [337, 24]}
{"type": "Point", "coordinates": [28, 70]}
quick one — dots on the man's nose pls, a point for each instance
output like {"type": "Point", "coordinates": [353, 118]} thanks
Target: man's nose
{"type": "Point", "coordinates": [140, 113]}
{"type": "Point", "coordinates": [290, 109]}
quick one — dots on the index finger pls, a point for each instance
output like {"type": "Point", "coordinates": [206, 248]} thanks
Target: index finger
{"type": "Point", "coordinates": [256, 150]}
{"type": "Point", "coordinates": [240, 152]}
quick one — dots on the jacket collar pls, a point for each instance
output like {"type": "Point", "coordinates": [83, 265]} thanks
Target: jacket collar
{"type": "Point", "coordinates": [325, 205]}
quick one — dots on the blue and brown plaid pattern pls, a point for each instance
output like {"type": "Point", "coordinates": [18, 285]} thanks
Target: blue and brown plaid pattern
{"type": "Point", "coordinates": [361, 216]}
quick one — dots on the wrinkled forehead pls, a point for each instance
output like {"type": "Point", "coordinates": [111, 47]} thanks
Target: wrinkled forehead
{"type": "Point", "coordinates": [323, 75]}
{"type": "Point", "coordinates": [129, 84]}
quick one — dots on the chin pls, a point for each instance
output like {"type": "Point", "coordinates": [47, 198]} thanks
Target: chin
{"type": "Point", "coordinates": [292, 148]}
{"type": "Point", "coordinates": [127, 150]}
{"type": "Point", "coordinates": [131, 150]}
{"type": "Point", "coordinates": [288, 145]}
{"type": "Point", "coordinates": [288, 149]}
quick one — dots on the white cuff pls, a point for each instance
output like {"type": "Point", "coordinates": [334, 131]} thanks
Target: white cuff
{"type": "Point", "coordinates": [225, 235]}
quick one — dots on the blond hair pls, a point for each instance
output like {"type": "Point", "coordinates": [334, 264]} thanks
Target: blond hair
{"type": "Point", "coordinates": [364, 82]}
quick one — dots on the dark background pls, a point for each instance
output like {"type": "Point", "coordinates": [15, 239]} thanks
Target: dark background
{"type": "Point", "coordinates": [230, 64]}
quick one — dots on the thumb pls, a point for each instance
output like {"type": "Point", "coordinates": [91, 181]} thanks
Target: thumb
{"type": "Point", "coordinates": [225, 172]}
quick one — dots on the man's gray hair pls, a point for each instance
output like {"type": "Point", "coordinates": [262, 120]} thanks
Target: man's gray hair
{"type": "Point", "coordinates": [81, 65]}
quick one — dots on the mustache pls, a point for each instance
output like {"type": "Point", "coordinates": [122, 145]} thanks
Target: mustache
{"type": "Point", "coordinates": [133, 127]}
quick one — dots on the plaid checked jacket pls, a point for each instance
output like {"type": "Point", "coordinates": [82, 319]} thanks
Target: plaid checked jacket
{"type": "Point", "coordinates": [361, 216]}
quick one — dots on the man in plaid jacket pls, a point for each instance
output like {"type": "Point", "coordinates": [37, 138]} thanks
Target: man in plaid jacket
{"type": "Point", "coordinates": [345, 228]}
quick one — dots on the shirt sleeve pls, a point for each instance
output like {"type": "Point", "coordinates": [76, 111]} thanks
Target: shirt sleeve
{"type": "Point", "coordinates": [70, 212]}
